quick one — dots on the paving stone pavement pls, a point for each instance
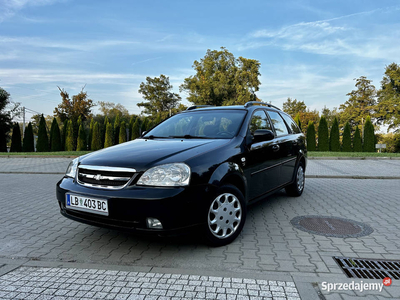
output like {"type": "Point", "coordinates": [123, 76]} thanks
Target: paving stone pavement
{"type": "Point", "coordinates": [34, 237]}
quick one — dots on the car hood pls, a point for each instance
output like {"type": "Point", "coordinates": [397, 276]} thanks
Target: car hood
{"type": "Point", "coordinates": [142, 154]}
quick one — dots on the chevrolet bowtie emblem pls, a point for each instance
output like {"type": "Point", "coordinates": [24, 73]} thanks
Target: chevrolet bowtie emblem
{"type": "Point", "coordinates": [98, 177]}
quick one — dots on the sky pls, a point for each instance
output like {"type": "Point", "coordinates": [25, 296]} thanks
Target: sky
{"type": "Point", "coordinates": [309, 50]}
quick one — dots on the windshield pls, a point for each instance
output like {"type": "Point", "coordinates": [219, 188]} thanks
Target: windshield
{"type": "Point", "coordinates": [221, 124]}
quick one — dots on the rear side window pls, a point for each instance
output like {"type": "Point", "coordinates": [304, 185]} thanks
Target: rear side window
{"type": "Point", "coordinates": [259, 121]}
{"type": "Point", "coordinates": [292, 124]}
{"type": "Point", "coordinates": [279, 124]}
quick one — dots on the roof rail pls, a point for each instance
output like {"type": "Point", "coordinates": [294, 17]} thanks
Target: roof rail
{"type": "Point", "coordinates": [251, 103]}
{"type": "Point", "coordinates": [198, 106]}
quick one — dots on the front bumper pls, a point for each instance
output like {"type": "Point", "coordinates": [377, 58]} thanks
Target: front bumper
{"type": "Point", "coordinates": [178, 208]}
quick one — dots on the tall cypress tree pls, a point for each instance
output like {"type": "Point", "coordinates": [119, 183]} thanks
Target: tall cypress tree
{"type": "Point", "coordinates": [69, 139]}
{"type": "Point", "coordinates": [16, 139]}
{"type": "Point", "coordinates": [311, 144]}
{"type": "Point", "coordinates": [346, 142]}
{"type": "Point", "coordinates": [96, 139]}
{"type": "Point", "coordinates": [81, 145]}
{"type": "Point", "coordinates": [55, 136]}
{"type": "Point", "coordinates": [323, 135]}
{"type": "Point", "coordinates": [42, 144]}
{"type": "Point", "coordinates": [130, 125]}
{"type": "Point", "coordinates": [334, 141]}
{"type": "Point", "coordinates": [29, 144]}
{"type": "Point", "coordinates": [144, 125]}
{"type": "Point", "coordinates": [135, 130]}
{"type": "Point", "coordinates": [90, 134]}
{"type": "Point", "coordinates": [357, 144]}
{"type": "Point", "coordinates": [108, 141]}
{"type": "Point", "coordinates": [122, 133]}
{"type": "Point", "coordinates": [117, 125]}
{"type": "Point", "coordinates": [369, 136]}
{"type": "Point", "coordinates": [64, 134]}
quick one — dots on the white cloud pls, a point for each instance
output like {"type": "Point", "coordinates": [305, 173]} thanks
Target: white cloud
{"type": "Point", "coordinates": [10, 7]}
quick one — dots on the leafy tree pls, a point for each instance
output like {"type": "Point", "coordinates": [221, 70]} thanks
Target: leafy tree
{"type": "Point", "coordinates": [294, 107]}
{"type": "Point", "coordinates": [69, 138]}
{"type": "Point", "coordinates": [112, 110]}
{"type": "Point", "coordinates": [55, 136]}
{"type": "Point", "coordinates": [157, 93]}
{"type": "Point", "coordinates": [135, 131]}
{"type": "Point", "coordinates": [330, 115]}
{"type": "Point", "coordinates": [42, 144]}
{"type": "Point", "coordinates": [369, 136]}
{"type": "Point", "coordinates": [391, 140]}
{"type": "Point", "coordinates": [222, 79]}
{"type": "Point", "coordinates": [323, 135]}
{"type": "Point", "coordinates": [108, 142]}
{"type": "Point", "coordinates": [357, 143]}
{"type": "Point", "coordinates": [96, 139]}
{"type": "Point", "coordinates": [80, 105]}
{"type": "Point", "coordinates": [5, 119]}
{"type": "Point", "coordinates": [346, 142]}
{"type": "Point", "coordinates": [311, 144]}
{"type": "Point", "coordinates": [334, 141]}
{"type": "Point", "coordinates": [361, 103]}
{"type": "Point", "coordinates": [16, 139]}
{"type": "Point", "coordinates": [297, 120]}
{"type": "Point", "coordinates": [81, 145]}
{"type": "Point", "coordinates": [122, 133]}
{"type": "Point", "coordinates": [117, 125]}
{"type": "Point", "coordinates": [28, 143]}
{"type": "Point", "coordinates": [388, 109]}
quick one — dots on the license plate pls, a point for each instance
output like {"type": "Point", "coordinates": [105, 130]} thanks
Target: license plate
{"type": "Point", "coordinates": [82, 203]}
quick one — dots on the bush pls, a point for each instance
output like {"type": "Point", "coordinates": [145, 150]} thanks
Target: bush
{"type": "Point", "coordinates": [369, 136]}
{"type": "Point", "coordinates": [81, 145]}
{"type": "Point", "coordinates": [323, 135]}
{"type": "Point", "coordinates": [311, 144]}
{"type": "Point", "coordinates": [108, 142]}
{"type": "Point", "coordinates": [96, 138]}
{"type": "Point", "coordinates": [42, 144]}
{"type": "Point", "coordinates": [29, 144]}
{"type": "Point", "coordinates": [334, 141]}
{"type": "Point", "coordinates": [16, 139]}
{"type": "Point", "coordinates": [55, 136]}
{"type": "Point", "coordinates": [346, 142]}
{"type": "Point", "coordinates": [69, 138]}
{"type": "Point", "coordinates": [357, 144]}
{"type": "Point", "coordinates": [135, 130]}
{"type": "Point", "coordinates": [122, 133]}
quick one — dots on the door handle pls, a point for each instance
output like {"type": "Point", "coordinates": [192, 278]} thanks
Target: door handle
{"type": "Point", "coordinates": [275, 148]}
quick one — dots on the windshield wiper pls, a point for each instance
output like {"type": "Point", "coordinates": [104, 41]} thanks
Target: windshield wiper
{"type": "Point", "coordinates": [150, 137]}
{"type": "Point", "coordinates": [188, 136]}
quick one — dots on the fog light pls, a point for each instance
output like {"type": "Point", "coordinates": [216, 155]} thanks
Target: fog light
{"type": "Point", "coordinates": [153, 223]}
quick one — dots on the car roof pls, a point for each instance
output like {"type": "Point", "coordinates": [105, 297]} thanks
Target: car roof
{"type": "Point", "coordinates": [248, 106]}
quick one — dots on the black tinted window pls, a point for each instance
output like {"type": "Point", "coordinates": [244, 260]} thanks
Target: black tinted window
{"type": "Point", "coordinates": [259, 121]}
{"type": "Point", "coordinates": [292, 124]}
{"type": "Point", "coordinates": [279, 124]}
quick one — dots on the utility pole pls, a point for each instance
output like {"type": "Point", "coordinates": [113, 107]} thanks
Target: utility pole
{"type": "Point", "coordinates": [23, 124]}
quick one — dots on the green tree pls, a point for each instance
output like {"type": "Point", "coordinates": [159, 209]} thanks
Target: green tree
{"type": "Point", "coordinates": [108, 142]}
{"type": "Point", "coordinates": [222, 79]}
{"type": "Point", "coordinates": [5, 119]}
{"type": "Point", "coordinates": [297, 120]}
{"type": "Point", "coordinates": [323, 135]}
{"type": "Point", "coordinates": [81, 145]}
{"type": "Point", "coordinates": [388, 108]}
{"type": "Point", "coordinates": [96, 139]}
{"type": "Point", "coordinates": [122, 133]}
{"type": "Point", "coordinates": [90, 133]}
{"type": "Point", "coordinates": [135, 131]}
{"type": "Point", "coordinates": [330, 115]}
{"type": "Point", "coordinates": [117, 125]}
{"type": "Point", "coordinates": [334, 139]}
{"type": "Point", "coordinates": [64, 134]}
{"type": "Point", "coordinates": [69, 138]}
{"type": "Point", "coordinates": [130, 125]}
{"type": "Point", "coordinates": [294, 107]}
{"type": "Point", "coordinates": [144, 125]}
{"type": "Point", "coordinates": [16, 139]}
{"type": "Point", "coordinates": [55, 136]}
{"type": "Point", "coordinates": [28, 144]}
{"type": "Point", "coordinates": [42, 144]}
{"type": "Point", "coordinates": [357, 143]}
{"type": "Point", "coordinates": [369, 136]}
{"type": "Point", "coordinates": [346, 141]}
{"type": "Point", "coordinates": [112, 110]}
{"type": "Point", "coordinates": [361, 103]}
{"type": "Point", "coordinates": [311, 144]}
{"type": "Point", "coordinates": [158, 96]}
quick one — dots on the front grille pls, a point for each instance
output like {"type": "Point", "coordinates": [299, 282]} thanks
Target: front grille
{"type": "Point", "coordinates": [105, 177]}
{"type": "Point", "coordinates": [369, 268]}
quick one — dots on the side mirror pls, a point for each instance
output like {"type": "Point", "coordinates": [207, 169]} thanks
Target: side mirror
{"type": "Point", "coordinates": [263, 135]}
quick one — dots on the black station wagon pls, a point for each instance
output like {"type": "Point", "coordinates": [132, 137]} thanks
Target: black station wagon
{"type": "Point", "coordinates": [199, 168]}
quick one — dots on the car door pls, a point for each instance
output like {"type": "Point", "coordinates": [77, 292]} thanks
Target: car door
{"type": "Point", "coordinates": [286, 143]}
{"type": "Point", "coordinates": [262, 166]}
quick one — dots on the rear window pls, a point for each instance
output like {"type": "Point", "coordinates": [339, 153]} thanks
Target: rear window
{"type": "Point", "coordinates": [292, 124]}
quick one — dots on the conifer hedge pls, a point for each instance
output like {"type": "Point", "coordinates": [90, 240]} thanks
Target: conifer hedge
{"type": "Point", "coordinates": [135, 130]}
{"type": "Point", "coordinates": [122, 133]}
{"type": "Point", "coordinates": [42, 143]}
{"type": "Point", "coordinates": [108, 141]}
{"type": "Point", "coordinates": [346, 141]}
{"type": "Point", "coordinates": [311, 144]}
{"type": "Point", "coordinates": [28, 144]}
{"type": "Point", "coordinates": [55, 136]}
{"type": "Point", "coordinates": [96, 138]}
{"type": "Point", "coordinates": [16, 139]}
{"type": "Point", "coordinates": [357, 144]}
{"type": "Point", "coordinates": [334, 141]}
{"type": "Point", "coordinates": [81, 144]}
{"type": "Point", "coordinates": [69, 138]}
{"type": "Point", "coordinates": [323, 135]}
{"type": "Point", "coordinates": [369, 136]}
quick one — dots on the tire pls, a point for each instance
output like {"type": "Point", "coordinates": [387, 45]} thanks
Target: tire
{"type": "Point", "coordinates": [296, 188]}
{"type": "Point", "coordinates": [226, 216]}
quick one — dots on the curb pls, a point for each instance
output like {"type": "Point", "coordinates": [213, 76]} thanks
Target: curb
{"type": "Point", "coordinates": [354, 158]}
{"type": "Point", "coordinates": [38, 156]}
{"type": "Point", "coordinates": [352, 177]}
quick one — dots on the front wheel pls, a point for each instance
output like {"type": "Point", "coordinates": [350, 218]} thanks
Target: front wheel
{"type": "Point", "coordinates": [296, 188]}
{"type": "Point", "coordinates": [226, 216]}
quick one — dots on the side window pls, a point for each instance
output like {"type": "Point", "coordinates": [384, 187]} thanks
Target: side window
{"type": "Point", "coordinates": [259, 121]}
{"type": "Point", "coordinates": [279, 124]}
{"type": "Point", "coordinates": [292, 124]}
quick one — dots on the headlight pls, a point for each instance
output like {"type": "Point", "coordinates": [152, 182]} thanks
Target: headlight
{"type": "Point", "coordinates": [177, 174]}
{"type": "Point", "coordinates": [71, 170]}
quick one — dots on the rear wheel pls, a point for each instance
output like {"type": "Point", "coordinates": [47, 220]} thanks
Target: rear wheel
{"type": "Point", "coordinates": [226, 216]}
{"type": "Point", "coordinates": [297, 187]}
